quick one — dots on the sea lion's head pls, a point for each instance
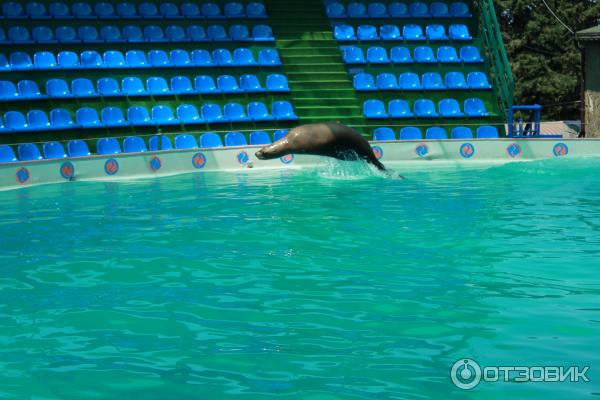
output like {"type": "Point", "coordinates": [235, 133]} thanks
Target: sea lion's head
{"type": "Point", "coordinates": [278, 149]}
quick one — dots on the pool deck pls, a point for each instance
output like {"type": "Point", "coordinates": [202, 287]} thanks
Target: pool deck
{"type": "Point", "coordinates": [173, 162]}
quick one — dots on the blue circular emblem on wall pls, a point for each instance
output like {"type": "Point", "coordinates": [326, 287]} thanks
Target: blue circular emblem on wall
{"type": "Point", "coordinates": [560, 150]}
{"type": "Point", "coordinates": [378, 151]}
{"type": "Point", "coordinates": [513, 150]}
{"type": "Point", "coordinates": [467, 150]}
{"type": "Point", "coordinates": [198, 160]}
{"type": "Point", "coordinates": [23, 175]}
{"type": "Point", "coordinates": [155, 164]}
{"type": "Point", "coordinates": [422, 150]}
{"type": "Point", "coordinates": [111, 166]}
{"type": "Point", "coordinates": [67, 170]}
{"type": "Point", "coordinates": [243, 158]}
{"type": "Point", "coordinates": [287, 159]}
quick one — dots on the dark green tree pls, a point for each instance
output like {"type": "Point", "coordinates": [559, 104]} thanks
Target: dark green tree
{"type": "Point", "coordinates": [543, 53]}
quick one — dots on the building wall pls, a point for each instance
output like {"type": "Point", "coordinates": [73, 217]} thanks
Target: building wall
{"type": "Point", "coordinates": [592, 89]}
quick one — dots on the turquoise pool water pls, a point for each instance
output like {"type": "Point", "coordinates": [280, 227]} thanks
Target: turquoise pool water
{"type": "Point", "coordinates": [323, 285]}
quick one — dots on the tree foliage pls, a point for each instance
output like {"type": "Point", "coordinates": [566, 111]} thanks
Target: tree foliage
{"type": "Point", "coordinates": [544, 55]}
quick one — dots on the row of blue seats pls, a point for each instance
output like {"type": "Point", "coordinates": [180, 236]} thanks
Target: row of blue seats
{"type": "Point", "coordinates": [410, 32]}
{"type": "Point", "coordinates": [134, 144]}
{"type": "Point", "coordinates": [128, 10]}
{"type": "Point", "coordinates": [435, 133]}
{"type": "Point", "coordinates": [401, 55]}
{"type": "Point", "coordinates": [429, 81]}
{"type": "Point", "coordinates": [133, 86]}
{"type": "Point", "coordinates": [135, 34]}
{"type": "Point", "coordinates": [415, 9]}
{"type": "Point", "coordinates": [87, 117]}
{"type": "Point", "coordinates": [90, 59]}
{"type": "Point", "coordinates": [425, 108]}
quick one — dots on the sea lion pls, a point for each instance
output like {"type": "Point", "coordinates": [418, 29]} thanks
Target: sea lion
{"type": "Point", "coordinates": [326, 139]}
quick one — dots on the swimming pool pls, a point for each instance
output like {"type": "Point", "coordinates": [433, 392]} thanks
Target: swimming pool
{"type": "Point", "coordinates": [329, 283]}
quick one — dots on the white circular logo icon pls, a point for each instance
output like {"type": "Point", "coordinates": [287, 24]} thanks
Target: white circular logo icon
{"type": "Point", "coordinates": [465, 374]}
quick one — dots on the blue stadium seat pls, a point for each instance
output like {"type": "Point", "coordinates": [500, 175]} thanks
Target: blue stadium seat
{"type": "Point", "coordinates": [156, 144]}
{"type": "Point", "coordinates": [196, 33]}
{"type": "Point", "coordinates": [277, 83]}
{"type": "Point", "coordinates": [36, 10]}
{"type": "Point", "coordinates": [138, 116]}
{"type": "Point", "coordinates": [377, 55]}
{"type": "Point", "coordinates": [390, 32]}
{"type": "Point", "coordinates": [344, 32]}
{"type": "Point", "coordinates": [157, 85]}
{"type": "Point", "coordinates": [210, 139]}
{"type": "Point", "coordinates": [83, 87]}
{"type": "Point", "coordinates": [68, 60]}
{"type": "Point", "coordinates": [136, 59]}
{"type": "Point", "coordinates": [387, 81]}
{"type": "Point", "coordinates": [244, 57]}
{"type": "Point", "coordinates": [456, 81]}
{"type": "Point", "coordinates": [284, 111]}
{"type": "Point", "coordinates": [7, 154]}
{"type": "Point", "coordinates": [133, 86]}
{"type": "Point", "coordinates": [235, 139]}
{"type": "Point", "coordinates": [181, 85]}
{"type": "Point", "coordinates": [410, 81]}
{"type": "Point", "coordinates": [42, 34]}
{"type": "Point", "coordinates": [87, 117]}
{"type": "Point", "coordinates": [202, 58]}
{"type": "Point", "coordinates": [211, 113]}
{"type": "Point", "coordinates": [91, 59]}
{"type": "Point", "coordinates": [38, 120]}
{"type": "Point", "coordinates": [384, 133]}
{"type": "Point", "coordinates": [8, 91]}
{"type": "Point", "coordinates": [279, 134]}
{"type": "Point", "coordinates": [13, 10]}
{"type": "Point", "coordinates": [133, 34]}
{"type": "Point", "coordinates": [478, 80]}
{"type": "Point", "coordinates": [60, 118]}
{"type": "Point", "coordinates": [364, 82]}
{"type": "Point", "coordinates": [154, 34]}
{"type": "Point", "coordinates": [424, 108]}
{"type": "Point", "coordinates": [401, 55]}
{"type": "Point", "coordinates": [377, 10]}
{"type": "Point", "coordinates": [127, 10]}
{"type": "Point", "coordinates": [104, 10]}
{"type": "Point", "coordinates": [357, 10]}
{"type": "Point", "coordinates": [234, 10]}
{"type": "Point", "coordinates": [374, 109]}
{"type": "Point", "coordinates": [159, 58]}
{"type": "Point", "coordinates": [239, 33]}
{"type": "Point", "coordinates": [59, 10]}
{"type": "Point", "coordinates": [20, 61]}
{"type": "Point", "coordinates": [113, 116]}
{"type": "Point", "coordinates": [449, 108]}
{"type": "Point", "coordinates": [250, 84]}
{"type": "Point", "coordinates": [105, 146]}
{"type": "Point", "coordinates": [222, 57]}
{"type": "Point", "coordinates": [234, 112]}
{"type": "Point", "coordinates": [185, 141]}
{"type": "Point", "coordinates": [460, 10]}
{"type": "Point", "coordinates": [57, 88]}
{"type": "Point", "coordinates": [336, 10]}
{"type": "Point", "coordinates": [78, 148]}
{"type": "Point", "coordinates": [180, 58]}
{"type": "Point", "coordinates": [353, 55]}
{"type": "Point", "coordinates": [436, 32]}
{"type": "Point", "coordinates": [29, 90]}
{"type": "Point", "coordinates": [19, 35]}
{"type": "Point", "coordinates": [419, 10]}
{"type": "Point", "coordinates": [217, 33]}
{"type": "Point", "coordinates": [175, 34]}
{"type": "Point", "coordinates": [169, 11]}
{"type": "Point", "coordinates": [188, 114]}
{"type": "Point", "coordinates": [398, 10]}
{"type": "Point", "coordinates": [462, 132]}
{"type": "Point", "coordinates": [459, 32]}
{"type": "Point", "coordinates": [191, 11]}
{"type": "Point", "coordinates": [54, 150]}
{"type": "Point", "coordinates": [487, 132]}
{"type": "Point", "coordinates": [475, 107]}
{"type": "Point", "coordinates": [269, 58]}
{"type": "Point", "coordinates": [108, 87]}
{"type": "Point", "coordinates": [399, 109]}
{"type": "Point", "coordinates": [66, 34]}
{"type": "Point", "coordinates": [436, 133]}
{"type": "Point", "coordinates": [3, 38]}
{"type": "Point", "coordinates": [433, 81]}
{"type": "Point", "coordinates": [44, 60]}
{"type": "Point", "coordinates": [262, 33]}
{"type": "Point", "coordinates": [259, 138]}
{"type": "Point", "coordinates": [205, 84]}
{"type": "Point", "coordinates": [228, 84]}
{"type": "Point", "coordinates": [447, 54]}
{"type": "Point", "coordinates": [367, 33]}
{"type": "Point", "coordinates": [470, 54]}
{"type": "Point", "coordinates": [412, 32]}
{"type": "Point", "coordinates": [424, 54]}
{"type": "Point", "coordinates": [410, 133]}
{"type": "Point", "coordinates": [82, 10]}
{"type": "Point", "coordinates": [258, 112]}
{"type": "Point", "coordinates": [88, 34]}
{"type": "Point", "coordinates": [163, 115]}
{"type": "Point", "coordinates": [134, 144]}
{"type": "Point", "coordinates": [211, 11]}
{"type": "Point", "coordinates": [148, 10]}
{"type": "Point", "coordinates": [439, 10]}
{"type": "Point", "coordinates": [28, 152]}
{"type": "Point", "coordinates": [256, 10]}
